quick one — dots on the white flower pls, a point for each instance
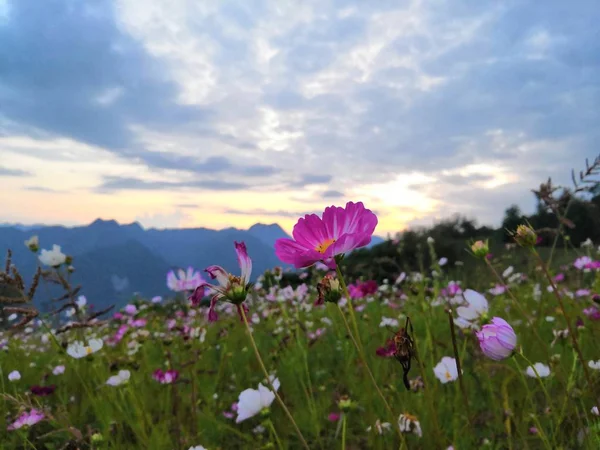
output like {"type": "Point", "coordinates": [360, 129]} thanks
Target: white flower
{"type": "Point", "coordinates": [587, 243]}
{"type": "Point", "coordinates": [594, 365]}
{"type": "Point", "coordinates": [400, 278]}
{"type": "Point", "coordinates": [58, 370]}
{"type": "Point", "coordinates": [409, 424]}
{"type": "Point", "coordinates": [443, 261]}
{"type": "Point", "coordinates": [12, 317]}
{"type": "Point", "coordinates": [252, 401]}
{"type": "Point", "coordinates": [121, 378]}
{"type": "Point", "coordinates": [14, 376]}
{"type": "Point", "coordinates": [542, 369]}
{"type": "Point", "coordinates": [81, 301]}
{"type": "Point", "coordinates": [78, 350]}
{"type": "Point", "coordinates": [446, 370]}
{"type": "Point", "coordinates": [595, 411]}
{"type": "Point", "coordinates": [197, 447]}
{"type": "Point", "coordinates": [53, 257]}
{"type": "Point", "coordinates": [33, 243]}
{"type": "Point", "coordinates": [477, 306]}
{"type": "Point", "coordinates": [430, 240]}
{"type": "Point", "coordinates": [387, 321]}
{"type": "Point", "coordinates": [380, 427]}
{"type": "Point", "coordinates": [508, 272]}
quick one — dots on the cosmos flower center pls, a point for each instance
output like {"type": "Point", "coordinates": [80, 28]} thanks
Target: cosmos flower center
{"type": "Point", "coordinates": [323, 246]}
{"type": "Point", "coordinates": [447, 375]}
{"type": "Point", "coordinates": [88, 350]}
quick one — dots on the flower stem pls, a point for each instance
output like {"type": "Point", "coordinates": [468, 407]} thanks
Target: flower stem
{"type": "Point", "coordinates": [460, 376]}
{"type": "Point", "coordinates": [572, 332]}
{"type": "Point", "coordinates": [264, 369]}
{"type": "Point", "coordinates": [343, 431]}
{"type": "Point", "coordinates": [361, 353]}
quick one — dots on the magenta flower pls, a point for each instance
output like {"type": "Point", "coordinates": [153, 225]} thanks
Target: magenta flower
{"type": "Point", "coordinates": [231, 288]}
{"type": "Point", "coordinates": [27, 419]}
{"type": "Point", "coordinates": [388, 350]}
{"type": "Point", "coordinates": [497, 339]}
{"type": "Point", "coordinates": [43, 391]}
{"type": "Point", "coordinates": [362, 289]}
{"type": "Point", "coordinates": [184, 280]}
{"type": "Point", "coordinates": [339, 231]}
{"type": "Point", "coordinates": [592, 312]}
{"type": "Point", "coordinates": [165, 377]}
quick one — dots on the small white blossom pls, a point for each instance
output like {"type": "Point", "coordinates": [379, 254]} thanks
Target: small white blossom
{"type": "Point", "coordinates": [14, 376]}
{"type": "Point", "coordinates": [78, 350]}
{"type": "Point", "coordinates": [542, 370]}
{"type": "Point", "coordinates": [446, 370]}
{"type": "Point", "coordinates": [53, 258]}
{"type": "Point", "coordinates": [121, 378]}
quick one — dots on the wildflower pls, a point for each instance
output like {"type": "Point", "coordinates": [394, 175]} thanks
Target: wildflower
{"type": "Point", "coordinates": [156, 299]}
{"type": "Point", "coordinates": [592, 312]}
{"type": "Point", "coordinates": [339, 231]}
{"type": "Point", "coordinates": [165, 377]}
{"type": "Point", "coordinates": [197, 447]}
{"type": "Point", "coordinates": [131, 310]}
{"type": "Point", "coordinates": [541, 369]}
{"type": "Point", "coordinates": [430, 240]}
{"type": "Point", "coordinates": [345, 403]}
{"type": "Point", "coordinates": [27, 419]}
{"type": "Point", "coordinates": [54, 258]}
{"type": "Point", "coordinates": [388, 350]}
{"type": "Point", "coordinates": [58, 370]}
{"type": "Point", "coordinates": [15, 375]}
{"type": "Point", "coordinates": [477, 308]}
{"type": "Point", "coordinates": [121, 378]}
{"type": "Point", "coordinates": [328, 290]}
{"type": "Point", "coordinates": [33, 244]}
{"type": "Point", "coordinates": [43, 391]}
{"type": "Point", "coordinates": [525, 236]}
{"type": "Point", "coordinates": [446, 370]}
{"type": "Point", "coordinates": [334, 417]}
{"type": "Point", "coordinates": [509, 270]}
{"type": "Point", "coordinates": [387, 321]}
{"type": "Point", "coordinates": [231, 288]}
{"type": "Point", "coordinates": [78, 350]}
{"type": "Point", "coordinates": [253, 401]}
{"type": "Point", "coordinates": [480, 249]}
{"type": "Point", "coordinates": [497, 339]}
{"type": "Point", "coordinates": [443, 261]}
{"type": "Point", "coordinates": [409, 424]}
{"type": "Point", "coordinates": [595, 411]}
{"type": "Point", "coordinates": [559, 334]}
{"type": "Point", "coordinates": [587, 243]}
{"type": "Point", "coordinates": [499, 289]}
{"type": "Point", "coordinates": [594, 365]}
{"type": "Point", "coordinates": [380, 427]}
{"type": "Point", "coordinates": [184, 280]}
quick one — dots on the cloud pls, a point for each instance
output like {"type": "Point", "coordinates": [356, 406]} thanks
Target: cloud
{"type": "Point", "coordinates": [6, 172]}
{"type": "Point", "coordinates": [295, 97]}
{"type": "Point", "coordinates": [267, 213]}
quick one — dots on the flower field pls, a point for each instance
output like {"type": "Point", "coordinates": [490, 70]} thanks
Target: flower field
{"type": "Point", "coordinates": [502, 353]}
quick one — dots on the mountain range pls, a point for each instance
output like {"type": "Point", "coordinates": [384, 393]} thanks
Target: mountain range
{"type": "Point", "coordinates": [113, 262]}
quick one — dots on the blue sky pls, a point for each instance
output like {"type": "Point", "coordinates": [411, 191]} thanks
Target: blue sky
{"type": "Point", "coordinates": [186, 113]}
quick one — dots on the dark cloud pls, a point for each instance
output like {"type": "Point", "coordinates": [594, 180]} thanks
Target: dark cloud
{"type": "Point", "coordinates": [263, 212]}
{"type": "Point", "coordinates": [6, 172]}
{"type": "Point", "coordinates": [332, 194]}
{"type": "Point", "coordinates": [307, 180]}
{"type": "Point", "coordinates": [43, 189]}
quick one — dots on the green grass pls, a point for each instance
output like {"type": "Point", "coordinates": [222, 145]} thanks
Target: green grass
{"type": "Point", "coordinates": [144, 414]}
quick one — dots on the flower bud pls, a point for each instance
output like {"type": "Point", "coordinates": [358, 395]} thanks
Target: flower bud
{"type": "Point", "coordinates": [33, 244]}
{"type": "Point", "coordinates": [497, 339]}
{"type": "Point", "coordinates": [525, 236]}
{"type": "Point", "coordinates": [480, 249]}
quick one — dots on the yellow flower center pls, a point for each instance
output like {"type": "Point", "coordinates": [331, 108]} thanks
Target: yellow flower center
{"type": "Point", "coordinates": [448, 376]}
{"type": "Point", "coordinates": [88, 350]}
{"type": "Point", "coordinates": [323, 246]}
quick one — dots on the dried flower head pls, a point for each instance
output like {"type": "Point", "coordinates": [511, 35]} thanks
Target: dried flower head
{"type": "Point", "coordinates": [525, 236]}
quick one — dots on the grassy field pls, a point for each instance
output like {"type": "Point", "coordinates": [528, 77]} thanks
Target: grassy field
{"type": "Point", "coordinates": [324, 381]}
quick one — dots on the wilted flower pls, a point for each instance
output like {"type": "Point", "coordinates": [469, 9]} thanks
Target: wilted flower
{"type": "Point", "coordinates": [497, 339]}
{"type": "Point", "coordinates": [33, 244]}
{"type": "Point", "coordinates": [446, 370]}
{"type": "Point", "coordinates": [121, 378]}
{"type": "Point", "coordinates": [231, 288]}
{"type": "Point", "coordinates": [15, 375]}
{"type": "Point", "coordinates": [380, 427]}
{"type": "Point", "coordinates": [43, 391]}
{"type": "Point", "coordinates": [542, 370]}
{"type": "Point", "coordinates": [165, 377]}
{"type": "Point", "coordinates": [184, 280]}
{"type": "Point", "coordinates": [328, 290]}
{"type": "Point", "coordinates": [253, 401]}
{"type": "Point", "coordinates": [54, 257]}
{"type": "Point", "coordinates": [78, 350]}
{"type": "Point", "coordinates": [27, 419]}
{"type": "Point", "coordinates": [409, 424]}
{"type": "Point", "coordinates": [339, 231]}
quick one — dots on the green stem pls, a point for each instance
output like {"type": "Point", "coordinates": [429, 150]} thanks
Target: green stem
{"type": "Point", "coordinates": [572, 331]}
{"type": "Point", "coordinates": [460, 376]}
{"type": "Point", "coordinates": [274, 432]}
{"type": "Point", "coordinates": [264, 369]}
{"type": "Point", "coordinates": [343, 431]}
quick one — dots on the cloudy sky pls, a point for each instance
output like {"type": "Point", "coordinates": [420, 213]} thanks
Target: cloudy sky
{"type": "Point", "coordinates": [181, 113]}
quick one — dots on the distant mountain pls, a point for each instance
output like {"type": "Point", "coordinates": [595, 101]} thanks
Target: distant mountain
{"type": "Point", "coordinates": [114, 261]}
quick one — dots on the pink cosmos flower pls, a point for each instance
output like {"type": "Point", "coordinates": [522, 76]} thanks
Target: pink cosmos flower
{"type": "Point", "coordinates": [231, 288]}
{"type": "Point", "coordinates": [339, 231]}
{"type": "Point", "coordinates": [131, 310]}
{"type": "Point", "coordinates": [592, 312]}
{"type": "Point", "coordinates": [27, 419]}
{"type": "Point", "coordinates": [333, 417]}
{"type": "Point", "coordinates": [388, 350]}
{"type": "Point", "coordinates": [184, 280]}
{"type": "Point", "coordinates": [497, 339]}
{"type": "Point", "coordinates": [165, 377]}
{"type": "Point", "coordinates": [362, 289]}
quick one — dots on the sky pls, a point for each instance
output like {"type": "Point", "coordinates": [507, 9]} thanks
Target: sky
{"type": "Point", "coordinates": [179, 113]}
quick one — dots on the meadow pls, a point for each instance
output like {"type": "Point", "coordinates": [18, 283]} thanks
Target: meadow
{"type": "Point", "coordinates": [504, 355]}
